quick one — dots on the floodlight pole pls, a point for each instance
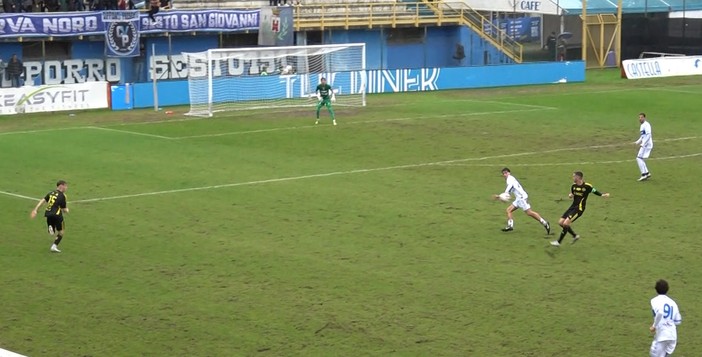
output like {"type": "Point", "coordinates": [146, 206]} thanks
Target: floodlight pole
{"type": "Point", "coordinates": [154, 80]}
{"type": "Point", "coordinates": [584, 36]}
{"type": "Point", "coordinates": [618, 44]}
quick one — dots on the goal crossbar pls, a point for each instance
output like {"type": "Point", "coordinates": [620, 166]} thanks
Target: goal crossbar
{"type": "Point", "coordinates": [267, 77]}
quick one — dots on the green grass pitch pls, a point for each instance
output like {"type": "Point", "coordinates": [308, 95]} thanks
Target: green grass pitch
{"type": "Point", "coordinates": [261, 234]}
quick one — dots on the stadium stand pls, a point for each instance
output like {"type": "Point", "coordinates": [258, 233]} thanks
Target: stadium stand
{"type": "Point", "coordinates": [215, 4]}
{"type": "Point", "coordinates": [361, 13]}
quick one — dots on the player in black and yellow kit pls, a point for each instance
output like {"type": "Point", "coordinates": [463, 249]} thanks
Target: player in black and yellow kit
{"type": "Point", "coordinates": [55, 208]}
{"type": "Point", "coordinates": [579, 192]}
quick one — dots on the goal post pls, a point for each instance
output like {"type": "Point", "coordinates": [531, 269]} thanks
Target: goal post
{"type": "Point", "coordinates": [274, 77]}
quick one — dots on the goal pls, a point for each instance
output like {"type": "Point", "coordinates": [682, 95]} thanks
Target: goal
{"type": "Point", "coordinates": [274, 77]}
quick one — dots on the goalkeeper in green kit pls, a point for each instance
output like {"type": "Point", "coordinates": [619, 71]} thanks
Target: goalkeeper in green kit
{"type": "Point", "coordinates": [325, 94]}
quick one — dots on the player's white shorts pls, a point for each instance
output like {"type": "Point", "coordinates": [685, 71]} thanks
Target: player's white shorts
{"type": "Point", "coordinates": [644, 152]}
{"type": "Point", "coordinates": [521, 203]}
{"type": "Point", "coordinates": [662, 348]}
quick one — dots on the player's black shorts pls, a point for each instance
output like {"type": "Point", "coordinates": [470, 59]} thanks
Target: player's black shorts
{"type": "Point", "coordinates": [573, 213]}
{"type": "Point", "coordinates": [54, 223]}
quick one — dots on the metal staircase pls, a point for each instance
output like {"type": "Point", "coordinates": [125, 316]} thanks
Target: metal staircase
{"type": "Point", "coordinates": [479, 24]}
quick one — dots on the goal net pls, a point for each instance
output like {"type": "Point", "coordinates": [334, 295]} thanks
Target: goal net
{"type": "Point", "coordinates": [274, 77]}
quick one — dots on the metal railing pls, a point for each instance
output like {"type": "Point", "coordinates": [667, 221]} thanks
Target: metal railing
{"type": "Point", "coordinates": [367, 15]}
{"type": "Point", "coordinates": [481, 25]}
{"type": "Point", "coordinates": [427, 12]}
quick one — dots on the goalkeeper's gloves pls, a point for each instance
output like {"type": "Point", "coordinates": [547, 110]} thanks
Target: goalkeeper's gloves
{"type": "Point", "coordinates": [333, 98]}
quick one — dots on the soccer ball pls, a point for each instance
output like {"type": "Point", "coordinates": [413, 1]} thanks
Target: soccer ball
{"type": "Point", "coordinates": [504, 197]}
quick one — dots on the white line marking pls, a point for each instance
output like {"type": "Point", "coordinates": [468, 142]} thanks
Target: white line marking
{"type": "Point", "coordinates": [6, 353]}
{"type": "Point", "coordinates": [43, 130]}
{"type": "Point", "coordinates": [500, 103]}
{"type": "Point", "coordinates": [18, 195]}
{"type": "Point", "coordinates": [580, 163]}
{"type": "Point", "coordinates": [247, 112]}
{"type": "Point", "coordinates": [131, 132]}
{"type": "Point", "coordinates": [357, 171]}
{"type": "Point", "coordinates": [111, 128]}
{"type": "Point", "coordinates": [675, 90]}
{"type": "Point", "coordinates": [349, 172]}
{"type": "Point", "coordinates": [164, 121]}
{"type": "Point", "coordinates": [365, 122]}
{"type": "Point", "coordinates": [535, 94]}
{"type": "Point", "coordinates": [576, 91]}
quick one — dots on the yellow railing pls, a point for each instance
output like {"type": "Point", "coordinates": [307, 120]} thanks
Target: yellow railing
{"type": "Point", "coordinates": [368, 15]}
{"type": "Point", "coordinates": [392, 14]}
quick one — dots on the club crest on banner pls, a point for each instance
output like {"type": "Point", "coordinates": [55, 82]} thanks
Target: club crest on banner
{"type": "Point", "coordinates": [276, 26]}
{"type": "Point", "coordinates": [121, 33]}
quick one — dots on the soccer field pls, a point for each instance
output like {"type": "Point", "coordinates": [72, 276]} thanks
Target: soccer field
{"type": "Point", "coordinates": [262, 234]}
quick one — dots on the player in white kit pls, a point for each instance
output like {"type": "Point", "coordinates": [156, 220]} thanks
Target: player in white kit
{"type": "Point", "coordinates": [666, 316]}
{"type": "Point", "coordinates": [645, 143]}
{"type": "Point", "coordinates": [520, 201]}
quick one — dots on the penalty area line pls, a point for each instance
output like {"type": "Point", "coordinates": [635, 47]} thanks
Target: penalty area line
{"type": "Point", "coordinates": [457, 115]}
{"type": "Point", "coordinates": [130, 132]}
{"type": "Point", "coordinates": [255, 131]}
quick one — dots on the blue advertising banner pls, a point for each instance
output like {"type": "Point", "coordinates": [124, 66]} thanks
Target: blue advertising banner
{"type": "Point", "coordinates": [91, 23]}
{"type": "Point", "coordinates": [523, 29]}
{"type": "Point", "coordinates": [377, 81]}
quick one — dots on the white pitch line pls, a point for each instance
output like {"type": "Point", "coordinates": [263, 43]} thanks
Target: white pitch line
{"type": "Point", "coordinates": [580, 163]}
{"type": "Point", "coordinates": [500, 103]}
{"type": "Point", "coordinates": [580, 92]}
{"type": "Point", "coordinates": [349, 172]}
{"type": "Point", "coordinates": [111, 128]}
{"type": "Point", "coordinates": [43, 130]}
{"type": "Point", "coordinates": [18, 195]}
{"type": "Point", "coordinates": [676, 91]}
{"type": "Point", "coordinates": [535, 94]}
{"type": "Point", "coordinates": [7, 353]}
{"type": "Point", "coordinates": [365, 122]}
{"type": "Point", "coordinates": [131, 132]}
{"type": "Point", "coordinates": [357, 171]}
{"type": "Point", "coordinates": [164, 121]}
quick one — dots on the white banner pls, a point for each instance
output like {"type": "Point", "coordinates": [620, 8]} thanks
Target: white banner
{"type": "Point", "coordinates": [663, 67]}
{"type": "Point", "coordinates": [547, 7]}
{"type": "Point", "coordinates": [49, 98]}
